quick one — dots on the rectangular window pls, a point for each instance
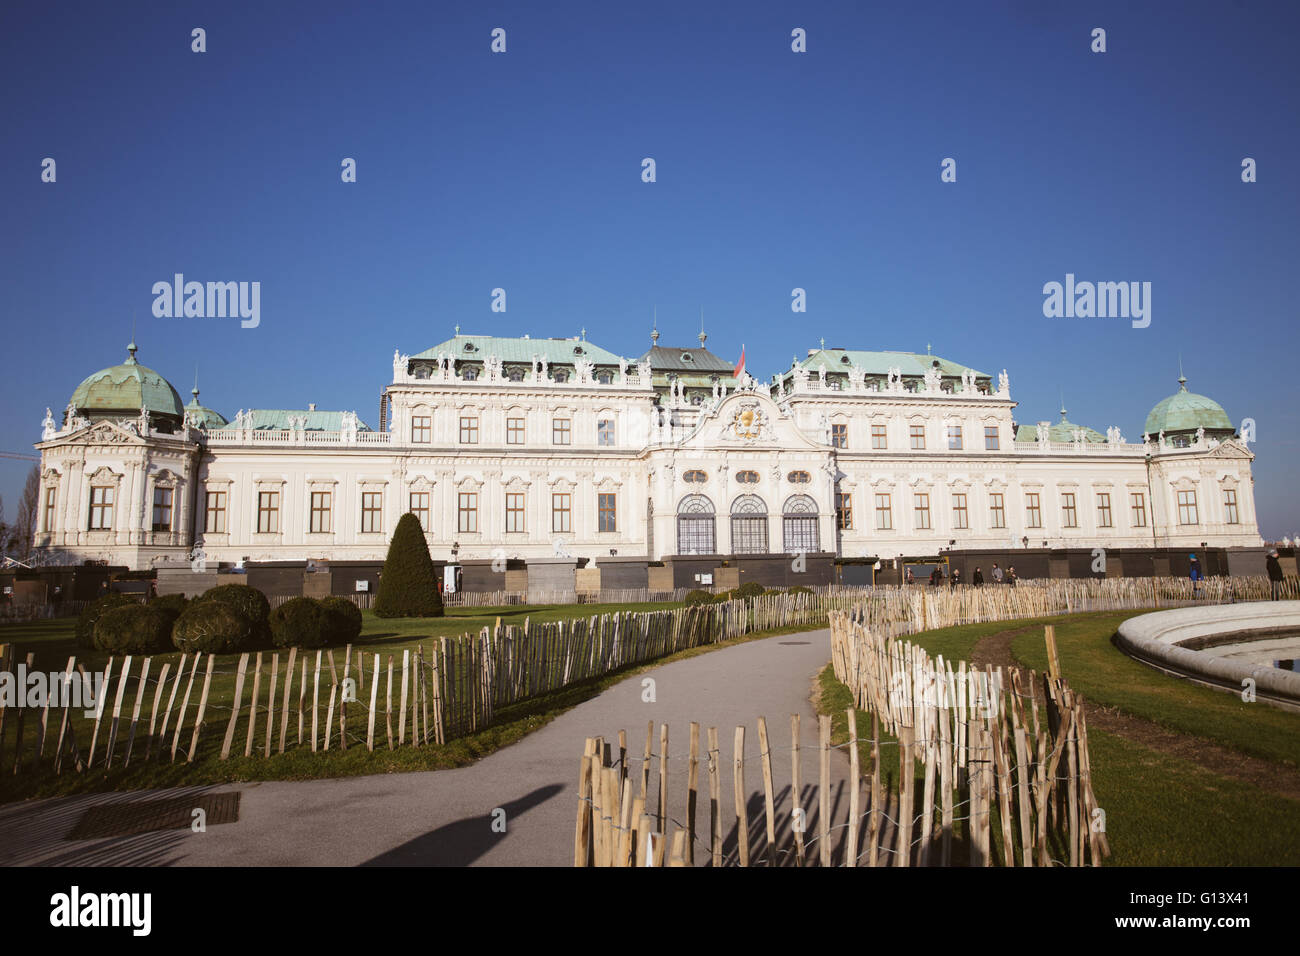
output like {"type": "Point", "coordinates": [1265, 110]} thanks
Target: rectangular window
{"type": "Point", "coordinates": [1187, 507]}
{"type": "Point", "coordinates": [1229, 505]}
{"type": "Point", "coordinates": [917, 435]}
{"type": "Point", "coordinates": [1103, 510]}
{"type": "Point", "coordinates": [421, 429]}
{"type": "Point", "coordinates": [959, 516]}
{"type": "Point", "coordinates": [515, 512]}
{"type": "Point", "coordinates": [51, 495]}
{"type": "Point", "coordinates": [372, 512]}
{"type": "Point", "coordinates": [997, 511]}
{"type": "Point", "coordinates": [884, 513]}
{"type": "Point", "coordinates": [1069, 516]}
{"type": "Point", "coordinates": [268, 512]}
{"type": "Point", "coordinates": [921, 512]}
{"type": "Point", "coordinates": [101, 508]}
{"type": "Point", "coordinates": [469, 429]}
{"type": "Point", "coordinates": [561, 431]}
{"type": "Point", "coordinates": [561, 512]}
{"type": "Point", "coordinates": [420, 508]}
{"type": "Point", "coordinates": [844, 511]}
{"type": "Point", "coordinates": [162, 509]}
{"type": "Point", "coordinates": [991, 438]}
{"type": "Point", "coordinates": [607, 513]}
{"type": "Point", "coordinates": [321, 512]}
{"type": "Point", "coordinates": [954, 438]}
{"type": "Point", "coordinates": [514, 431]}
{"type": "Point", "coordinates": [1138, 503]}
{"type": "Point", "coordinates": [467, 512]}
{"type": "Point", "coordinates": [1033, 510]}
{"type": "Point", "coordinates": [605, 432]}
{"type": "Point", "coordinates": [840, 435]}
{"type": "Point", "coordinates": [879, 439]}
{"type": "Point", "coordinates": [214, 516]}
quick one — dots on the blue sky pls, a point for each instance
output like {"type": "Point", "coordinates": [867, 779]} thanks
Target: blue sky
{"type": "Point", "coordinates": [775, 170]}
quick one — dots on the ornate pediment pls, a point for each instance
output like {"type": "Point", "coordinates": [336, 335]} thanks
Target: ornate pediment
{"type": "Point", "coordinates": [111, 433]}
{"type": "Point", "coordinates": [1231, 448]}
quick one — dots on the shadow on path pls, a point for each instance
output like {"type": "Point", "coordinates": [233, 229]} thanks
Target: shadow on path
{"type": "Point", "coordinates": [462, 842]}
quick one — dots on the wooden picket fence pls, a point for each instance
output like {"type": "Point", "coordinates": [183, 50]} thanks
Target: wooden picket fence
{"type": "Point", "coordinates": [455, 686]}
{"type": "Point", "coordinates": [986, 770]}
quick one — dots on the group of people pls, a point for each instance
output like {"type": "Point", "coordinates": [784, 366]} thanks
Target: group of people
{"type": "Point", "coordinates": [977, 579]}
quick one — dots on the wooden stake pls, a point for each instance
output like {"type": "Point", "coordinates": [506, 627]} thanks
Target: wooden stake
{"type": "Point", "coordinates": [203, 706]}
{"type": "Point", "coordinates": [715, 800]}
{"type": "Point", "coordinates": [239, 702]}
{"type": "Point", "coordinates": [692, 785]}
{"type": "Point", "coordinates": [824, 809]}
{"type": "Point", "coordinates": [738, 781]}
{"type": "Point", "coordinates": [252, 706]}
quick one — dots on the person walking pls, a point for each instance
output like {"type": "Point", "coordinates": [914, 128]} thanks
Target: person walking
{"type": "Point", "coordinates": [910, 579]}
{"type": "Point", "coordinates": [977, 579]}
{"type": "Point", "coordinates": [936, 576]}
{"type": "Point", "coordinates": [997, 573]}
{"type": "Point", "coordinates": [1011, 576]}
{"type": "Point", "coordinates": [1274, 567]}
{"type": "Point", "coordinates": [1194, 572]}
{"type": "Point", "coordinates": [955, 579]}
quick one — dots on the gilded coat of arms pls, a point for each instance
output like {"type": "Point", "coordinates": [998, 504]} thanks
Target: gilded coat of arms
{"type": "Point", "coordinates": [748, 423]}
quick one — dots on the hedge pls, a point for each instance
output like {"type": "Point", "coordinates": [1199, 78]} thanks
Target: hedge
{"type": "Point", "coordinates": [342, 620]}
{"type": "Point", "coordinates": [91, 613]}
{"type": "Point", "coordinates": [132, 629]}
{"type": "Point", "coordinates": [248, 601]}
{"type": "Point", "coordinates": [213, 627]}
{"type": "Point", "coordinates": [299, 622]}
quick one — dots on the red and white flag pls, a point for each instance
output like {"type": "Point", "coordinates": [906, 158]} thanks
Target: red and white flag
{"type": "Point", "coordinates": [740, 366]}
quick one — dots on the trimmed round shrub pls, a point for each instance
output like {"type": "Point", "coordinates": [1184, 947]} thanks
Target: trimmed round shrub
{"type": "Point", "coordinates": [299, 622]}
{"type": "Point", "coordinates": [91, 613]}
{"type": "Point", "coordinates": [408, 585]}
{"type": "Point", "coordinates": [342, 620]}
{"type": "Point", "coordinates": [170, 606]}
{"type": "Point", "coordinates": [748, 590]}
{"type": "Point", "coordinates": [699, 597]}
{"type": "Point", "coordinates": [213, 627]}
{"type": "Point", "coordinates": [799, 589]}
{"type": "Point", "coordinates": [132, 629]}
{"type": "Point", "coordinates": [245, 600]}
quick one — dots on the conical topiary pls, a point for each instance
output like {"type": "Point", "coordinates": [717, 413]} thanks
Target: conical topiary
{"type": "Point", "coordinates": [408, 585]}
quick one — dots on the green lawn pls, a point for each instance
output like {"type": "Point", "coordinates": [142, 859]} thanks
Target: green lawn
{"type": "Point", "coordinates": [1160, 810]}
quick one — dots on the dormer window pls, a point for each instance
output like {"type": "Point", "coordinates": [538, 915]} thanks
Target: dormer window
{"type": "Point", "coordinates": [844, 359]}
{"type": "Point", "coordinates": [579, 350]}
{"type": "Point", "coordinates": [604, 378]}
{"type": "Point", "coordinates": [687, 357]}
{"type": "Point", "coordinates": [516, 375]}
{"type": "Point", "coordinates": [470, 374]}
{"type": "Point", "coordinates": [469, 346]}
{"type": "Point", "coordinates": [561, 375]}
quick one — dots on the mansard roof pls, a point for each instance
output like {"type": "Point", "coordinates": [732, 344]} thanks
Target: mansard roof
{"type": "Point", "coordinates": [684, 361]}
{"type": "Point", "coordinates": [879, 363]}
{"type": "Point", "coordinates": [476, 348]}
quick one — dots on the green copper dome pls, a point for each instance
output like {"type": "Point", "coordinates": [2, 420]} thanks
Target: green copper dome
{"type": "Point", "coordinates": [1186, 411]}
{"type": "Point", "coordinates": [121, 391]}
{"type": "Point", "coordinates": [1062, 431]}
{"type": "Point", "coordinates": [202, 417]}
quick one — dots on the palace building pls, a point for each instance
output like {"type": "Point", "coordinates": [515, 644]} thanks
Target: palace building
{"type": "Point", "coordinates": [518, 454]}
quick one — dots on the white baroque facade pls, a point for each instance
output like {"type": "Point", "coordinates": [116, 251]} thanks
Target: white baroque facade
{"type": "Point", "coordinates": [569, 450]}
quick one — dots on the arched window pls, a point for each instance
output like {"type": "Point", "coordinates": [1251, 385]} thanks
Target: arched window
{"type": "Point", "coordinates": [469, 374]}
{"type": "Point", "coordinates": [799, 525]}
{"type": "Point", "coordinates": [604, 378]}
{"type": "Point", "coordinates": [695, 526]}
{"type": "Point", "coordinates": [560, 375]}
{"type": "Point", "coordinates": [515, 374]}
{"type": "Point", "coordinates": [749, 525]}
